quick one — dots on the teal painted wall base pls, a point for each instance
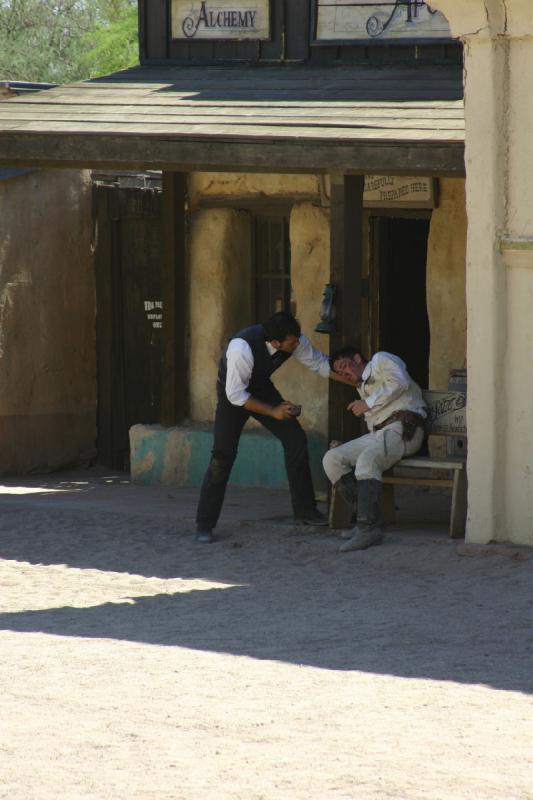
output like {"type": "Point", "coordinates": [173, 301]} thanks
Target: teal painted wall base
{"type": "Point", "coordinates": [179, 456]}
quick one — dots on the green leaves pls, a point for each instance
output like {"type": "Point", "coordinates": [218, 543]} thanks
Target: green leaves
{"type": "Point", "coordinates": [66, 40]}
{"type": "Point", "coordinates": [111, 46]}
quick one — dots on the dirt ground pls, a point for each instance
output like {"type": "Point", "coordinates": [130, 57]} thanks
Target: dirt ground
{"type": "Point", "coordinates": [138, 665]}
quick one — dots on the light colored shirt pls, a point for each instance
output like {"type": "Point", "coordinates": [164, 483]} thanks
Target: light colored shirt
{"type": "Point", "coordinates": [240, 363]}
{"type": "Point", "coordinates": [386, 387]}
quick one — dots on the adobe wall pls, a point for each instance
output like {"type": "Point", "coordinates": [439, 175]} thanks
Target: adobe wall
{"type": "Point", "coordinates": [446, 287]}
{"type": "Point", "coordinates": [221, 281]}
{"type": "Point", "coordinates": [47, 321]}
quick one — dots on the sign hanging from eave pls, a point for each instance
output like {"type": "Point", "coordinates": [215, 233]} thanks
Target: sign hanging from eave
{"type": "Point", "coordinates": [390, 191]}
{"type": "Point", "coordinates": [237, 20]}
{"type": "Point", "coordinates": [385, 20]}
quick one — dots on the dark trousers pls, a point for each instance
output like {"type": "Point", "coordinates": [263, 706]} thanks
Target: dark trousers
{"type": "Point", "coordinates": [229, 422]}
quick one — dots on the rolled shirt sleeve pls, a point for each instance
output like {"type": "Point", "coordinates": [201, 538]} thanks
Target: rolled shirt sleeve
{"type": "Point", "coordinates": [240, 363]}
{"type": "Point", "coordinates": [312, 358]}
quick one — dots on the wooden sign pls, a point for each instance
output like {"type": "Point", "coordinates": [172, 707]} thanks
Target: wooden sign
{"type": "Point", "coordinates": [220, 19]}
{"type": "Point", "coordinates": [388, 20]}
{"type": "Point", "coordinates": [446, 413]}
{"type": "Point", "coordinates": [384, 191]}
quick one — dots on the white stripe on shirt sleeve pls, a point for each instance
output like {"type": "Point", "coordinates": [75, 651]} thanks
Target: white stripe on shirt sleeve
{"type": "Point", "coordinates": [240, 363]}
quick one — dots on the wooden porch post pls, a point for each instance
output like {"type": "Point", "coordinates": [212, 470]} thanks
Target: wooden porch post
{"type": "Point", "coordinates": [346, 266]}
{"type": "Point", "coordinates": [175, 375]}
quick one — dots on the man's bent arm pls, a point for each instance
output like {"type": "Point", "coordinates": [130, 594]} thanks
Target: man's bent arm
{"type": "Point", "coordinates": [340, 379]}
{"type": "Point", "coordinates": [281, 411]}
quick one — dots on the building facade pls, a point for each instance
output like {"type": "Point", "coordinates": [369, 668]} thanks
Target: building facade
{"type": "Point", "coordinates": [301, 144]}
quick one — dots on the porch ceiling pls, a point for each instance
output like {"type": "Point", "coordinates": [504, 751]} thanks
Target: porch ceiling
{"type": "Point", "coordinates": [263, 119]}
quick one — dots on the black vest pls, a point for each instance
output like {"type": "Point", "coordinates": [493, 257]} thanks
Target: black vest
{"type": "Point", "coordinates": [264, 363]}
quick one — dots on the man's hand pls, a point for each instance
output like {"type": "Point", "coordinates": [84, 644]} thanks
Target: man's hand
{"type": "Point", "coordinates": [284, 411]}
{"type": "Point", "coordinates": [358, 407]}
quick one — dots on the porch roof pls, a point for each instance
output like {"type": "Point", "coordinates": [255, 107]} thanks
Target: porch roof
{"type": "Point", "coordinates": [400, 120]}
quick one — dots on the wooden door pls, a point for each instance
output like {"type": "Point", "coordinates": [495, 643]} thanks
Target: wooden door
{"type": "Point", "coordinates": [128, 260]}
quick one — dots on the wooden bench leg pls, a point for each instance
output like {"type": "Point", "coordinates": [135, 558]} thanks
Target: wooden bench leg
{"type": "Point", "coordinates": [459, 504]}
{"type": "Point", "coordinates": [388, 507]}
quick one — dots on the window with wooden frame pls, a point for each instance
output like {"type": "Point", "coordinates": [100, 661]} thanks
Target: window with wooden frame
{"type": "Point", "coordinates": [271, 265]}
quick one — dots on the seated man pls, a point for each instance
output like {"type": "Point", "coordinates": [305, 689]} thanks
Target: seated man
{"type": "Point", "coordinates": [394, 411]}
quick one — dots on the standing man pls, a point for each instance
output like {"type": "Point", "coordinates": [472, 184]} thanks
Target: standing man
{"type": "Point", "coordinates": [244, 389]}
{"type": "Point", "coordinates": [394, 411]}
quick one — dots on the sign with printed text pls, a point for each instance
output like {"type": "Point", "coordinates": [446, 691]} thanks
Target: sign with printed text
{"type": "Point", "coordinates": [383, 191]}
{"type": "Point", "coordinates": [220, 19]}
{"type": "Point", "coordinates": [446, 413]}
{"type": "Point", "coordinates": [390, 20]}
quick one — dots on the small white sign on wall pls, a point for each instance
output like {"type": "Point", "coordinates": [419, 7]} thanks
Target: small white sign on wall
{"type": "Point", "coordinates": [220, 19]}
{"type": "Point", "coordinates": [390, 20]}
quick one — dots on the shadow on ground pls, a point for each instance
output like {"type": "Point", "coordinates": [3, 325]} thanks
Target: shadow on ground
{"type": "Point", "coordinates": [412, 608]}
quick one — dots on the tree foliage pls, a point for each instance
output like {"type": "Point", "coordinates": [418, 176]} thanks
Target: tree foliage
{"type": "Point", "coordinates": [66, 40]}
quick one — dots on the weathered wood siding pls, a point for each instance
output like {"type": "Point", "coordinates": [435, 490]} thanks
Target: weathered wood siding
{"type": "Point", "coordinates": [290, 41]}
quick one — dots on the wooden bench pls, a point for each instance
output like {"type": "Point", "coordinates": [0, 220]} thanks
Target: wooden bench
{"type": "Point", "coordinates": [446, 417]}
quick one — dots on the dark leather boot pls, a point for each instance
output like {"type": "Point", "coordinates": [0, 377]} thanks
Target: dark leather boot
{"type": "Point", "coordinates": [369, 528]}
{"type": "Point", "coordinates": [346, 490]}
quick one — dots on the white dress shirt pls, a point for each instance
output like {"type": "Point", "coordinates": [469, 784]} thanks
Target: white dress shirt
{"type": "Point", "coordinates": [240, 363]}
{"type": "Point", "coordinates": [386, 387]}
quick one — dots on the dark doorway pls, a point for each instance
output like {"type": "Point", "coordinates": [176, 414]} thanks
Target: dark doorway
{"type": "Point", "coordinates": [129, 306]}
{"type": "Point", "coordinates": [399, 252]}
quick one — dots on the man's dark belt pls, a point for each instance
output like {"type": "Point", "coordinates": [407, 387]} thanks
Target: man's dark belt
{"type": "Point", "coordinates": [410, 422]}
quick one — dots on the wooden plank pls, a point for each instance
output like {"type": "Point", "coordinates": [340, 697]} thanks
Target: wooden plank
{"type": "Point", "coordinates": [151, 104]}
{"type": "Point", "coordinates": [438, 109]}
{"type": "Point", "coordinates": [141, 17]}
{"type": "Point", "coordinates": [175, 388]}
{"type": "Point", "coordinates": [426, 462]}
{"type": "Point", "coordinates": [402, 481]}
{"type": "Point", "coordinates": [242, 133]}
{"type": "Point", "coordinates": [118, 397]}
{"type": "Point", "coordinates": [108, 151]}
{"type": "Point", "coordinates": [235, 122]}
{"type": "Point", "coordinates": [147, 106]}
{"type": "Point", "coordinates": [226, 84]}
{"type": "Point", "coordinates": [237, 51]}
{"type": "Point", "coordinates": [156, 27]}
{"type": "Point", "coordinates": [346, 269]}
{"type": "Point", "coordinates": [273, 50]}
{"type": "Point", "coordinates": [459, 505]}
{"type": "Point", "coordinates": [100, 210]}
{"type": "Point", "coordinates": [297, 30]}
{"type": "Point", "coordinates": [286, 111]}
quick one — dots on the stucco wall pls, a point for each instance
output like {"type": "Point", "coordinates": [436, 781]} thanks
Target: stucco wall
{"type": "Point", "coordinates": [309, 235]}
{"type": "Point", "coordinates": [221, 282]}
{"type": "Point", "coordinates": [446, 283]}
{"type": "Point", "coordinates": [219, 184]}
{"type": "Point", "coordinates": [220, 296]}
{"type": "Point", "coordinates": [498, 52]}
{"type": "Point", "coordinates": [47, 321]}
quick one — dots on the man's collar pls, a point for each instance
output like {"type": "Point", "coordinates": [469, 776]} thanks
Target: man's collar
{"type": "Point", "coordinates": [366, 372]}
{"type": "Point", "coordinates": [271, 350]}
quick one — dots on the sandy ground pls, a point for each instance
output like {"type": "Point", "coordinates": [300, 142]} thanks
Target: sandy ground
{"type": "Point", "coordinates": [136, 664]}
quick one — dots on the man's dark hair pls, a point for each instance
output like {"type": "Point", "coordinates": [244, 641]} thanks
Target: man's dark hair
{"type": "Point", "coordinates": [281, 325]}
{"type": "Point", "coordinates": [345, 352]}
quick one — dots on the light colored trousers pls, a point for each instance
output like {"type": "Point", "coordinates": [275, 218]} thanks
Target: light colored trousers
{"type": "Point", "coordinates": [371, 455]}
